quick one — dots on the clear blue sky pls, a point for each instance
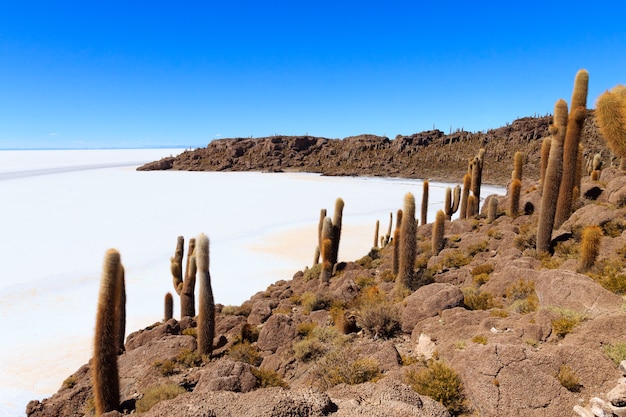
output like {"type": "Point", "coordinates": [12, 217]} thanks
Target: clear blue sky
{"type": "Point", "coordinates": [136, 74]}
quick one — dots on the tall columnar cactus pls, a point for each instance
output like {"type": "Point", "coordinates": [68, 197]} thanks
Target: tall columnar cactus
{"type": "Point", "coordinates": [206, 307]}
{"type": "Point", "coordinates": [389, 229]}
{"type": "Point", "coordinates": [477, 175]}
{"type": "Point", "coordinates": [120, 312]}
{"type": "Point", "coordinates": [395, 263]}
{"type": "Point", "coordinates": [326, 250]}
{"type": "Point", "coordinates": [492, 209]}
{"type": "Point", "coordinates": [471, 206]}
{"type": "Point", "coordinates": [337, 220]}
{"type": "Point", "coordinates": [168, 310]}
{"type": "Point", "coordinates": [438, 231]}
{"type": "Point", "coordinates": [515, 190]}
{"type": "Point", "coordinates": [575, 122]}
{"type": "Point", "coordinates": [424, 208]}
{"type": "Point", "coordinates": [187, 295]}
{"type": "Point", "coordinates": [320, 224]}
{"type": "Point", "coordinates": [579, 171]}
{"type": "Point", "coordinates": [407, 244]}
{"type": "Point", "coordinates": [611, 119]}
{"type": "Point", "coordinates": [545, 154]}
{"type": "Point", "coordinates": [518, 165]}
{"type": "Point", "coordinates": [552, 178]}
{"type": "Point", "coordinates": [467, 182]}
{"type": "Point", "coordinates": [376, 233]}
{"type": "Point", "coordinates": [105, 375]}
{"type": "Point", "coordinates": [451, 203]}
{"type": "Point", "coordinates": [185, 287]}
{"type": "Point", "coordinates": [589, 246]}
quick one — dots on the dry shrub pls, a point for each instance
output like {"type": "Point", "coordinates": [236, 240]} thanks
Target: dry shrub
{"type": "Point", "coordinates": [312, 272]}
{"type": "Point", "coordinates": [563, 325]}
{"type": "Point", "coordinates": [610, 275]}
{"type": "Point", "coordinates": [312, 302]}
{"type": "Point", "coordinates": [305, 328]}
{"type": "Point", "coordinates": [245, 352]}
{"type": "Point", "coordinates": [342, 365]}
{"type": "Point", "coordinates": [616, 352]}
{"type": "Point", "coordinates": [319, 341]}
{"type": "Point", "coordinates": [478, 339]}
{"type": "Point", "coordinates": [482, 269]}
{"type": "Point", "coordinates": [268, 378]}
{"type": "Point", "coordinates": [441, 383]}
{"type": "Point", "coordinates": [568, 379]}
{"type": "Point", "coordinates": [156, 394]}
{"type": "Point", "coordinates": [474, 299]}
{"type": "Point", "coordinates": [523, 296]}
{"type": "Point", "coordinates": [381, 320]}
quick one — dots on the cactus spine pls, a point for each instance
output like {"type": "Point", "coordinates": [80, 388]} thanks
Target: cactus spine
{"type": "Point", "coordinates": [424, 208]}
{"type": "Point", "coordinates": [105, 373]}
{"type": "Point", "coordinates": [611, 118]}
{"type": "Point", "coordinates": [576, 120]}
{"type": "Point", "coordinates": [206, 308]}
{"type": "Point", "coordinates": [438, 231]}
{"type": "Point", "coordinates": [589, 246]}
{"type": "Point", "coordinates": [407, 244]}
{"type": "Point", "coordinates": [552, 179]}
{"type": "Point", "coordinates": [515, 190]}
{"type": "Point", "coordinates": [168, 307]}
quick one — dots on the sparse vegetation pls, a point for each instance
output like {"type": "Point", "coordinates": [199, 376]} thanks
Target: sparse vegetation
{"type": "Point", "coordinates": [568, 378]}
{"type": "Point", "coordinates": [343, 365]}
{"type": "Point", "coordinates": [267, 378]}
{"type": "Point", "coordinates": [156, 394]}
{"type": "Point", "coordinates": [616, 352]}
{"type": "Point", "coordinates": [441, 383]}
{"type": "Point", "coordinates": [245, 352]}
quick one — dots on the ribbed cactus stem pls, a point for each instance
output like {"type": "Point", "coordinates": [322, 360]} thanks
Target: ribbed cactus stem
{"type": "Point", "coordinates": [438, 231]}
{"type": "Point", "coordinates": [611, 118]}
{"type": "Point", "coordinates": [545, 154]}
{"type": "Point", "coordinates": [518, 165]}
{"type": "Point", "coordinates": [326, 250]}
{"type": "Point", "coordinates": [121, 310]}
{"type": "Point", "coordinates": [515, 191]}
{"type": "Point", "coordinates": [168, 310]}
{"type": "Point", "coordinates": [575, 122]}
{"type": "Point", "coordinates": [337, 221]}
{"type": "Point", "coordinates": [105, 375]}
{"type": "Point", "coordinates": [424, 207]}
{"type": "Point", "coordinates": [320, 224]}
{"type": "Point", "coordinates": [408, 244]}
{"type": "Point", "coordinates": [376, 229]}
{"type": "Point", "coordinates": [395, 260]}
{"type": "Point", "coordinates": [187, 295]}
{"type": "Point", "coordinates": [590, 246]}
{"type": "Point", "coordinates": [389, 229]}
{"type": "Point", "coordinates": [467, 182]}
{"type": "Point", "coordinates": [206, 307]}
{"type": "Point", "coordinates": [492, 209]}
{"type": "Point", "coordinates": [176, 264]}
{"type": "Point", "coordinates": [579, 172]}
{"type": "Point", "coordinates": [552, 178]}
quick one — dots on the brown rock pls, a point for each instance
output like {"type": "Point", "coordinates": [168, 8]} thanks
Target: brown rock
{"type": "Point", "coordinates": [428, 301]}
{"type": "Point", "coordinates": [227, 375]}
{"type": "Point", "coordinates": [278, 331]}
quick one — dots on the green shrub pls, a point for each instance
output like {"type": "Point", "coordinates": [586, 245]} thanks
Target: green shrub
{"type": "Point", "coordinates": [523, 296]}
{"type": "Point", "coordinates": [616, 352]}
{"type": "Point", "coordinates": [312, 272]}
{"type": "Point", "coordinates": [312, 302]}
{"type": "Point", "coordinates": [364, 281]}
{"type": "Point", "coordinates": [308, 349]}
{"type": "Point", "coordinates": [69, 382]}
{"type": "Point", "coordinates": [456, 259]}
{"type": "Point", "coordinates": [439, 382]}
{"type": "Point", "coordinates": [381, 320]}
{"type": "Point", "coordinates": [245, 352]}
{"type": "Point", "coordinates": [475, 248]}
{"type": "Point", "coordinates": [610, 276]}
{"type": "Point", "coordinates": [165, 367]}
{"type": "Point", "coordinates": [268, 378]}
{"type": "Point", "coordinates": [568, 379]}
{"type": "Point", "coordinates": [156, 394]}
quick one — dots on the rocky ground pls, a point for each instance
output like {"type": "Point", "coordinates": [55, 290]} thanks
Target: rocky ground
{"type": "Point", "coordinates": [489, 327]}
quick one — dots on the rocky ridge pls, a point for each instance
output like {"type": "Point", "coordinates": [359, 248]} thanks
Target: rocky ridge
{"type": "Point", "coordinates": [527, 335]}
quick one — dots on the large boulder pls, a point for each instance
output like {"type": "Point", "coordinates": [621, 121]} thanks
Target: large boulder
{"type": "Point", "coordinates": [279, 330]}
{"type": "Point", "coordinates": [428, 301]}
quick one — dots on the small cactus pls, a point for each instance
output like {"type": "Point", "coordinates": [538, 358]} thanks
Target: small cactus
{"type": "Point", "coordinates": [168, 307]}
{"type": "Point", "coordinates": [424, 208]}
{"type": "Point", "coordinates": [326, 250]}
{"type": "Point", "coordinates": [518, 165]}
{"type": "Point", "coordinates": [438, 231]}
{"type": "Point", "coordinates": [376, 233]}
{"type": "Point", "coordinates": [590, 246]}
{"type": "Point", "coordinates": [515, 190]}
{"type": "Point", "coordinates": [451, 204]}
{"type": "Point", "coordinates": [492, 209]}
{"type": "Point", "coordinates": [185, 287]}
{"type": "Point", "coordinates": [611, 119]}
{"type": "Point", "coordinates": [206, 308]}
